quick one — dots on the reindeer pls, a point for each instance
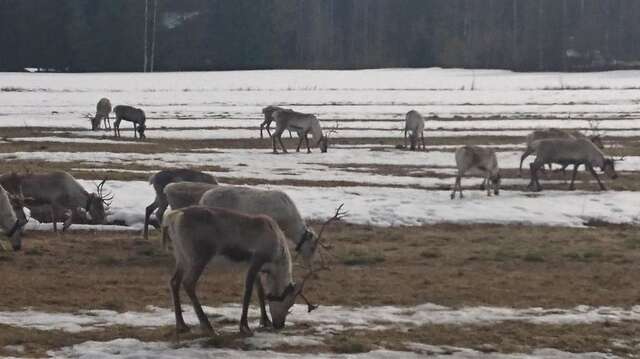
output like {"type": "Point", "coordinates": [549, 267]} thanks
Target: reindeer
{"type": "Point", "coordinates": [103, 109]}
{"type": "Point", "coordinates": [268, 118]}
{"type": "Point", "coordinates": [63, 194]}
{"type": "Point", "coordinates": [199, 233]}
{"type": "Point", "coordinates": [160, 180]}
{"type": "Point", "coordinates": [554, 133]}
{"type": "Point", "coordinates": [131, 114]}
{"type": "Point", "coordinates": [476, 158]}
{"type": "Point", "coordinates": [185, 194]}
{"type": "Point", "coordinates": [414, 123]}
{"type": "Point", "coordinates": [11, 222]}
{"type": "Point", "coordinates": [302, 123]}
{"type": "Point", "coordinates": [276, 204]}
{"type": "Point", "coordinates": [571, 151]}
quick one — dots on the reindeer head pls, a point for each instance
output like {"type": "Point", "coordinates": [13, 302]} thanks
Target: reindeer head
{"type": "Point", "coordinates": [323, 143]}
{"type": "Point", "coordinates": [141, 128]}
{"type": "Point", "coordinates": [95, 122]}
{"type": "Point", "coordinates": [97, 203]}
{"type": "Point", "coordinates": [608, 167]}
{"type": "Point", "coordinates": [279, 305]}
{"type": "Point", "coordinates": [10, 211]}
{"type": "Point", "coordinates": [597, 140]}
{"type": "Point", "coordinates": [495, 183]}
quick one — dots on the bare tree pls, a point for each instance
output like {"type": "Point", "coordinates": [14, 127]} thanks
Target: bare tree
{"type": "Point", "coordinates": [146, 21]}
{"type": "Point", "coordinates": [153, 33]}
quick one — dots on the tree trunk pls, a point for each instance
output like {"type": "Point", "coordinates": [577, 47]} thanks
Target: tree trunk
{"type": "Point", "coordinates": [146, 23]}
{"type": "Point", "coordinates": [153, 33]}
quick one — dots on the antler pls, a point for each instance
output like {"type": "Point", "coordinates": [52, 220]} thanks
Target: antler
{"type": "Point", "coordinates": [107, 198]}
{"type": "Point", "coordinates": [310, 307]}
{"type": "Point", "coordinates": [336, 217]}
{"type": "Point", "coordinates": [333, 130]}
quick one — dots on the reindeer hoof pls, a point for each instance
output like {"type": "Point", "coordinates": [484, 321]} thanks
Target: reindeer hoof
{"type": "Point", "coordinates": [183, 328]}
{"type": "Point", "coordinates": [244, 330]}
{"type": "Point", "coordinates": [266, 323]}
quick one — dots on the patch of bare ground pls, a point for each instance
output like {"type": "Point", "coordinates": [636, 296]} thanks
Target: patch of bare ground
{"type": "Point", "coordinates": [451, 265]}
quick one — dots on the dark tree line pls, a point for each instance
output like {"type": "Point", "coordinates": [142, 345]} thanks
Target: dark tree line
{"type": "Point", "coordinates": [526, 35]}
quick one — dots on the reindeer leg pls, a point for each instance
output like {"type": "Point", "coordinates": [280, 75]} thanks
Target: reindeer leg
{"type": "Point", "coordinates": [135, 130]}
{"type": "Point", "coordinates": [594, 174]}
{"type": "Point", "coordinates": [455, 186]}
{"type": "Point", "coordinates": [306, 140]}
{"type": "Point", "coordinates": [300, 142]}
{"type": "Point", "coordinates": [189, 284]}
{"type": "Point", "coordinates": [174, 284]}
{"type": "Point", "coordinates": [424, 148]}
{"type": "Point", "coordinates": [273, 141]}
{"type": "Point", "coordinates": [248, 288]}
{"type": "Point", "coordinates": [573, 177]}
{"type": "Point", "coordinates": [526, 154]}
{"type": "Point", "coordinates": [264, 318]}
{"type": "Point", "coordinates": [53, 218]}
{"type": "Point", "coordinates": [290, 135]}
{"type": "Point", "coordinates": [147, 214]}
{"type": "Point", "coordinates": [284, 149]}
{"type": "Point", "coordinates": [405, 137]}
{"type": "Point", "coordinates": [486, 181]}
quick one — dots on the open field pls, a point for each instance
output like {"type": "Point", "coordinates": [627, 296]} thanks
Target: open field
{"type": "Point", "coordinates": [551, 274]}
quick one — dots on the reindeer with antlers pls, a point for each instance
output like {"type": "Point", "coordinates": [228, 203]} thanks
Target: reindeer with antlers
{"type": "Point", "coordinates": [103, 109]}
{"type": "Point", "coordinates": [200, 233]}
{"type": "Point", "coordinates": [276, 204]}
{"type": "Point", "coordinates": [64, 196]}
{"type": "Point", "coordinates": [301, 123]}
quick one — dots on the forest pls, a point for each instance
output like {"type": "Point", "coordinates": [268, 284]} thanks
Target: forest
{"type": "Point", "coordinates": [193, 35]}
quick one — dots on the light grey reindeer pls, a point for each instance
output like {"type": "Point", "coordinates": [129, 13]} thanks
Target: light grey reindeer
{"type": "Point", "coordinates": [550, 133]}
{"type": "Point", "coordinates": [414, 124]}
{"type": "Point", "coordinates": [103, 109]}
{"type": "Point", "coordinates": [571, 151]}
{"type": "Point", "coordinates": [160, 180]}
{"type": "Point", "coordinates": [276, 204]}
{"type": "Point", "coordinates": [10, 222]}
{"type": "Point", "coordinates": [63, 194]}
{"type": "Point", "coordinates": [476, 158]}
{"type": "Point", "coordinates": [199, 233]}
{"type": "Point", "coordinates": [268, 118]}
{"type": "Point", "coordinates": [133, 115]}
{"type": "Point", "coordinates": [185, 194]}
{"type": "Point", "coordinates": [302, 123]}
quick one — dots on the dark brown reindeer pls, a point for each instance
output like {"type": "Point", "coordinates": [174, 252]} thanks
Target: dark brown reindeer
{"type": "Point", "coordinates": [63, 194]}
{"type": "Point", "coordinates": [103, 109]}
{"type": "Point", "coordinates": [133, 115]}
{"type": "Point", "coordinates": [160, 180]}
{"type": "Point", "coordinates": [576, 152]}
{"type": "Point", "coordinates": [268, 118]}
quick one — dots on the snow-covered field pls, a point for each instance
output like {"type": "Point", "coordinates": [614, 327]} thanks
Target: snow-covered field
{"type": "Point", "coordinates": [232, 100]}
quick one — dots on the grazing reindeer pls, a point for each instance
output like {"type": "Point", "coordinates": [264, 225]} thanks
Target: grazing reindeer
{"type": "Point", "coordinates": [554, 133]}
{"type": "Point", "coordinates": [63, 194]}
{"type": "Point", "coordinates": [302, 123]}
{"type": "Point", "coordinates": [103, 109]}
{"type": "Point", "coordinates": [476, 158]}
{"type": "Point", "coordinates": [200, 233]}
{"type": "Point", "coordinates": [273, 203]}
{"type": "Point", "coordinates": [414, 123]}
{"type": "Point", "coordinates": [185, 194]}
{"type": "Point", "coordinates": [160, 180]}
{"type": "Point", "coordinates": [11, 222]}
{"type": "Point", "coordinates": [268, 118]}
{"type": "Point", "coordinates": [576, 152]}
{"type": "Point", "coordinates": [131, 114]}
